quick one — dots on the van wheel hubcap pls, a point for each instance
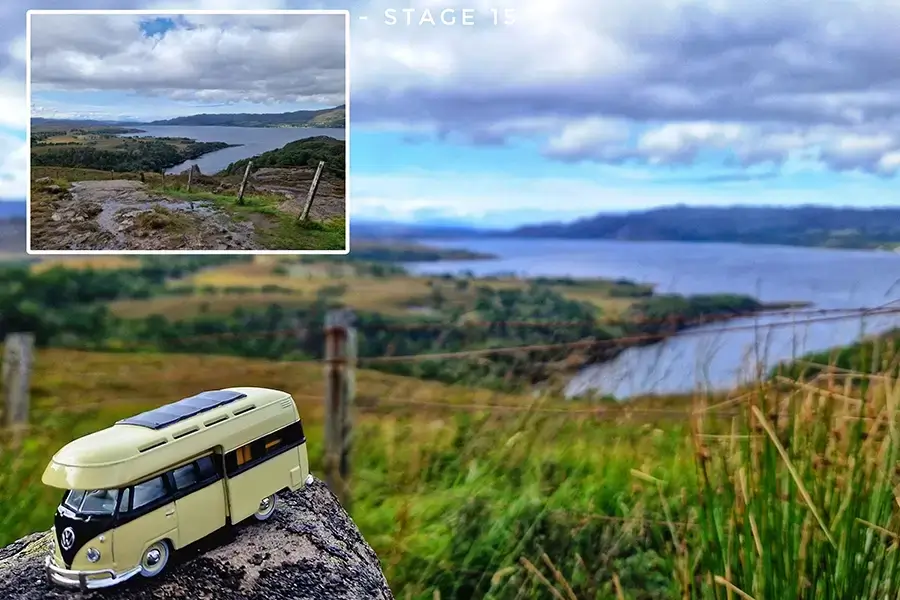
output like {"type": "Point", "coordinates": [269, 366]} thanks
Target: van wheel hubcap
{"type": "Point", "coordinates": [266, 508]}
{"type": "Point", "coordinates": [153, 557]}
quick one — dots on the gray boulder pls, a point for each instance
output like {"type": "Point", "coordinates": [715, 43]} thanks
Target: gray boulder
{"type": "Point", "coordinates": [310, 549]}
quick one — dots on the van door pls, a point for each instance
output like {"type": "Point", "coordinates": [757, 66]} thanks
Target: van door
{"type": "Point", "coordinates": [146, 514]}
{"type": "Point", "coordinates": [199, 500]}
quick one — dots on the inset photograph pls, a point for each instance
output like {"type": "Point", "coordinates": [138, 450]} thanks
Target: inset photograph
{"type": "Point", "coordinates": [188, 131]}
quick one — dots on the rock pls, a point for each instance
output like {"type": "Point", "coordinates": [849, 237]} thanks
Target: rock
{"type": "Point", "coordinates": [310, 550]}
{"type": "Point", "coordinates": [54, 189]}
{"type": "Point", "coordinates": [43, 180]}
{"type": "Point", "coordinates": [91, 209]}
{"type": "Point", "coordinates": [56, 217]}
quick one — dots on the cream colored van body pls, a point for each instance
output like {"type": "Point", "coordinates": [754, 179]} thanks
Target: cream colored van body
{"type": "Point", "coordinates": [166, 478]}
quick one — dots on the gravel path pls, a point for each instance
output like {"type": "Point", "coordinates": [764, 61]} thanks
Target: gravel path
{"type": "Point", "coordinates": [124, 215]}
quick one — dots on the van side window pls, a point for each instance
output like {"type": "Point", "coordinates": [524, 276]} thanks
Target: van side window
{"type": "Point", "coordinates": [184, 476]}
{"type": "Point", "coordinates": [207, 468]}
{"type": "Point", "coordinates": [263, 448]}
{"type": "Point", "coordinates": [125, 504]}
{"type": "Point", "coordinates": [149, 491]}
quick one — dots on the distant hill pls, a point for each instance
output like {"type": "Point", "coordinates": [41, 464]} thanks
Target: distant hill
{"type": "Point", "coordinates": [800, 226]}
{"type": "Point", "coordinates": [74, 123]}
{"type": "Point", "coordinates": [325, 118]}
{"type": "Point", "coordinates": [384, 230]}
{"type": "Point", "coordinates": [306, 152]}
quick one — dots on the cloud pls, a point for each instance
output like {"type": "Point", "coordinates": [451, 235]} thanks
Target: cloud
{"type": "Point", "coordinates": [760, 81]}
{"type": "Point", "coordinates": [473, 196]}
{"type": "Point", "coordinates": [195, 58]}
{"type": "Point", "coordinates": [13, 167]}
{"type": "Point", "coordinates": [658, 82]}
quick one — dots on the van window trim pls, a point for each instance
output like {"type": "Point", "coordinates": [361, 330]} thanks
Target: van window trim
{"type": "Point", "coordinates": [173, 494]}
{"type": "Point", "coordinates": [257, 461]}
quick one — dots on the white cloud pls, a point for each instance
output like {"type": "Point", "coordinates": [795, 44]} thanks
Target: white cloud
{"type": "Point", "coordinates": [13, 167]}
{"type": "Point", "coordinates": [13, 109]}
{"type": "Point", "coordinates": [207, 58]}
{"type": "Point", "coordinates": [799, 84]}
{"type": "Point", "coordinates": [399, 196]}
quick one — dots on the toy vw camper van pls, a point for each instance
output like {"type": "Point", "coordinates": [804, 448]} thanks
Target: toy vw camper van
{"type": "Point", "coordinates": [163, 479]}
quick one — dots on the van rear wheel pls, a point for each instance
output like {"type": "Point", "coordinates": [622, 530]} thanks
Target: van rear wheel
{"type": "Point", "coordinates": [266, 508]}
{"type": "Point", "coordinates": [155, 559]}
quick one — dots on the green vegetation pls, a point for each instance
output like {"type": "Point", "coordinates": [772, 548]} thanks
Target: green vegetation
{"type": "Point", "coordinates": [785, 490]}
{"type": "Point", "coordinates": [390, 252]}
{"type": "Point", "coordinates": [789, 495]}
{"type": "Point", "coordinates": [288, 232]}
{"type": "Point", "coordinates": [100, 148]}
{"type": "Point", "coordinates": [874, 354]}
{"type": "Point", "coordinates": [451, 316]}
{"type": "Point", "coordinates": [274, 227]}
{"type": "Point", "coordinates": [325, 118]}
{"type": "Point", "coordinates": [301, 153]}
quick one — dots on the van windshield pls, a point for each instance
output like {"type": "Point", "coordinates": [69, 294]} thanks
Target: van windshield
{"type": "Point", "coordinates": [92, 502]}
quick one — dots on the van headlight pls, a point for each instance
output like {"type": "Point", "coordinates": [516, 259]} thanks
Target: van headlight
{"type": "Point", "coordinates": [93, 554]}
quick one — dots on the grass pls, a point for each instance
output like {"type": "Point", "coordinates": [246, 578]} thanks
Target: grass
{"type": "Point", "coordinates": [187, 307]}
{"type": "Point", "coordinates": [392, 295]}
{"type": "Point", "coordinates": [162, 219]}
{"type": "Point", "coordinates": [289, 233]}
{"type": "Point", "coordinates": [278, 230]}
{"type": "Point", "coordinates": [94, 262]}
{"type": "Point", "coordinates": [782, 491]}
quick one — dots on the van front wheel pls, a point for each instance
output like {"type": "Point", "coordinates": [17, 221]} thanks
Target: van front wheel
{"type": "Point", "coordinates": [266, 508]}
{"type": "Point", "coordinates": [155, 559]}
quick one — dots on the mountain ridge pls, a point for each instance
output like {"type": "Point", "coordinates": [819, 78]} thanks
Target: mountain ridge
{"type": "Point", "coordinates": [809, 225]}
{"type": "Point", "coordinates": [326, 118]}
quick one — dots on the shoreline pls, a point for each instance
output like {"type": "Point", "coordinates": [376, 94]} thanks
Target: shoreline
{"type": "Point", "coordinates": [504, 235]}
{"type": "Point", "coordinates": [614, 351]}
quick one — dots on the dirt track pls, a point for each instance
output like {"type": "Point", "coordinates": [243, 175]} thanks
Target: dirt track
{"type": "Point", "coordinates": [124, 215]}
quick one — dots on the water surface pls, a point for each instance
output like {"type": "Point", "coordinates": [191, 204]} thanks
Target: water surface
{"type": "Point", "coordinates": [711, 357]}
{"type": "Point", "coordinates": [253, 140]}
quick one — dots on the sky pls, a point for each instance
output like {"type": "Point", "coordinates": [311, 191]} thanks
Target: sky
{"type": "Point", "coordinates": [569, 108]}
{"type": "Point", "coordinates": [146, 67]}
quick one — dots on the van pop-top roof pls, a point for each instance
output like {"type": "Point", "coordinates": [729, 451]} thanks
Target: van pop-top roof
{"type": "Point", "coordinates": [155, 440]}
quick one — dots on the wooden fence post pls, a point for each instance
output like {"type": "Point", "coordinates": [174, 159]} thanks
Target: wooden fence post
{"type": "Point", "coordinates": [244, 182]}
{"type": "Point", "coordinates": [340, 362]}
{"type": "Point", "coordinates": [190, 177]}
{"type": "Point", "coordinates": [312, 191]}
{"type": "Point", "coordinates": [18, 350]}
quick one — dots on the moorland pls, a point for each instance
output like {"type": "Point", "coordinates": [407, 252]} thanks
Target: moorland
{"type": "Point", "coordinates": [93, 189]}
{"type": "Point", "coordinates": [471, 477]}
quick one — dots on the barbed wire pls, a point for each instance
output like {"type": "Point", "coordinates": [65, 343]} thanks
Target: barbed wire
{"type": "Point", "coordinates": [687, 327]}
{"type": "Point", "coordinates": [623, 340]}
{"type": "Point", "coordinates": [690, 322]}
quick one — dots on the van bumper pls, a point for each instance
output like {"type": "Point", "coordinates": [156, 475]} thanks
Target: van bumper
{"type": "Point", "coordinates": [86, 580]}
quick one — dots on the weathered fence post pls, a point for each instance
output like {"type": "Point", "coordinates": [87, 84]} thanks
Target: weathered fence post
{"type": "Point", "coordinates": [244, 182]}
{"type": "Point", "coordinates": [162, 173]}
{"type": "Point", "coordinates": [18, 350]}
{"type": "Point", "coordinates": [190, 177]}
{"type": "Point", "coordinates": [340, 363]}
{"type": "Point", "coordinates": [312, 191]}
